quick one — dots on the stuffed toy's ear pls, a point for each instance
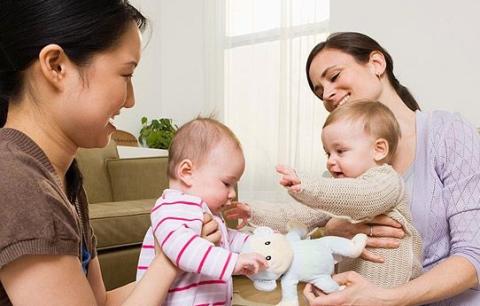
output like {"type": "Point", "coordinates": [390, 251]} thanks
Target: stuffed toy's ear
{"type": "Point", "coordinates": [263, 231]}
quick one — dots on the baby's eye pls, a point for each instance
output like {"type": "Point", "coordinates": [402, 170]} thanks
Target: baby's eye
{"type": "Point", "coordinates": [226, 184]}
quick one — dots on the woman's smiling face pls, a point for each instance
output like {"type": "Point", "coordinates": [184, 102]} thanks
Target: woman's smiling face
{"type": "Point", "coordinates": [338, 78]}
{"type": "Point", "coordinates": [105, 88]}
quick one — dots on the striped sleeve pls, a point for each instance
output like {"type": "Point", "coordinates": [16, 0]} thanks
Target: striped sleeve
{"type": "Point", "coordinates": [236, 239]}
{"type": "Point", "coordinates": [177, 226]}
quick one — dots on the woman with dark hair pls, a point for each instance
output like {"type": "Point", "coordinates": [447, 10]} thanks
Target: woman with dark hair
{"type": "Point", "coordinates": [65, 72]}
{"type": "Point", "coordinates": [438, 156]}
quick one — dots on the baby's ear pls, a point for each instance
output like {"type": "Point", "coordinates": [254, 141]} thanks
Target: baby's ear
{"type": "Point", "coordinates": [381, 149]}
{"type": "Point", "coordinates": [184, 172]}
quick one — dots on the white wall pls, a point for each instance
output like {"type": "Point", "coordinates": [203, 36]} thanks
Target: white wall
{"type": "Point", "coordinates": [169, 81]}
{"type": "Point", "coordinates": [435, 45]}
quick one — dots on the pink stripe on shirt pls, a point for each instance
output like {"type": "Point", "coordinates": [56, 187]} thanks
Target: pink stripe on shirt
{"type": "Point", "coordinates": [173, 218]}
{"type": "Point", "coordinates": [225, 266]}
{"type": "Point", "coordinates": [214, 304]}
{"type": "Point", "coordinates": [183, 249]}
{"type": "Point", "coordinates": [166, 238]}
{"type": "Point", "coordinates": [203, 259]}
{"type": "Point", "coordinates": [176, 203]}
{"type": "Point", "coordinates": [209, 282]}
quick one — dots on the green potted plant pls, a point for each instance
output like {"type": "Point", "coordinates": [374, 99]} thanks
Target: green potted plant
{"type": "Point", "coordinates": [158, 133]}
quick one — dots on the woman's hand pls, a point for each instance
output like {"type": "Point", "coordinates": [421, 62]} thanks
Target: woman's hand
{"type": "Point", "coordinates": [210, 229]}
{"type": "Point", "coordinates": [382, 231]}
{"type": "Point", "coordinates": [237, 211]}
{"type": "Point", "coordinates": [357, 291]}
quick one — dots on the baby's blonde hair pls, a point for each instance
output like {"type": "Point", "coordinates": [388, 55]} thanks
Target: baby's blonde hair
{"type": "Point", "coordinates": [378, 121]}
{"type": "Point", "coordinates": [195, 140]}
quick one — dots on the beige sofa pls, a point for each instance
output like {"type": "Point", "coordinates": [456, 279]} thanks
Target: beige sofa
{"type": "Point", "coordinates": [121, 193]}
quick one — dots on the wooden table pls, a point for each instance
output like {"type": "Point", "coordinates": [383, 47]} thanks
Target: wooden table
{"type": "Point", "coordinates": [245, 294]}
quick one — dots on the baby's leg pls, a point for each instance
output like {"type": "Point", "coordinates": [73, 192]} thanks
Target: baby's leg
{"type": "Point", "coordinates": [346, 247]}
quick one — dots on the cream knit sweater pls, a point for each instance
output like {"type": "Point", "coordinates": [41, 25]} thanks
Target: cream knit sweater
{"type": "Point", "coordinates": [379, 190]}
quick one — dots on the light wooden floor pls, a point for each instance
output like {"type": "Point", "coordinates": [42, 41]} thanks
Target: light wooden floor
{"type": "Point", "coordinates": [244, 294]}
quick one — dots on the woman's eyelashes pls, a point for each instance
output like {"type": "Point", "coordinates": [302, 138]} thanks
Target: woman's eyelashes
{"type": "Point", "coordinates": [334, 77]}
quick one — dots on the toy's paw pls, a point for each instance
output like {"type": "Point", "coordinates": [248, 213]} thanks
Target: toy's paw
{"type": "Point", "coordinates": [359, 241]}
{"type": "Point", "coordinates": [288, 303]}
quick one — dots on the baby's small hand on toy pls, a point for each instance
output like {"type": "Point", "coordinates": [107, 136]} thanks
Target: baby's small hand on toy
{"type": "Point", "coordinates": [238, 210]}
{"type": "Point", "coordinates": [289, 178]}
{"type": "Point", "coordinates": [250, 263]}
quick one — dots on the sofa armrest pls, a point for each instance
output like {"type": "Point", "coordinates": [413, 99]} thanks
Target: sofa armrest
{"type": "Point", "coordinates": [137, 178]}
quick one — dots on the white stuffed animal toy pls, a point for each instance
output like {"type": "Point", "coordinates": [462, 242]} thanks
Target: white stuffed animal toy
{"type": "Point", "coordinates": [294, 259]}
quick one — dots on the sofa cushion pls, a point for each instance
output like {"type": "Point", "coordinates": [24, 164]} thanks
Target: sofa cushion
{"type": "Point", "coordinates": [119, 266]}
{"type": "Point", "coordinates": [92, 164]}
{"type": "Point", "coordinates": [137, 178]}
{"type": "Point", "coordinates": [120, 224]}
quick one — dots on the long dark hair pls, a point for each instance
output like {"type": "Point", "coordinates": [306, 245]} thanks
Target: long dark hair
{"type": "Point", "coordinates": [360, 46]}
{"type": "Point", "coordinates": [81, 27]}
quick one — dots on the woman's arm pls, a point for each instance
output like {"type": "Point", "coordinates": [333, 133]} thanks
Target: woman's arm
{"type": "Point", "coordinates": [447, 279]}
{"type": "Point", "coordinates": [59, 280]}
{"type": "Point", "coordinates": [46, 280]}
{"type": "Point", "coordinates": [150, 290]}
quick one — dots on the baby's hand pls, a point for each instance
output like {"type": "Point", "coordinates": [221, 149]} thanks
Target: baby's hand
{"type": "Point", "coordinates": [250, 263]}
{"type": "Point", "coordinates": [238, 211]}
{"type": "Point", "coordinates": [289, 178]}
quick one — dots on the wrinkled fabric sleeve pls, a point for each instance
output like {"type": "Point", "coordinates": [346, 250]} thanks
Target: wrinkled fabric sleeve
{"type": "Point", "coordinates": [459, 170]}
{"type": "Point", "coordinates": [355, 199]}
{"type": "Point", "coordinates": [277, 214]}
{"type": "Point", "coordinates": [178, 230]}
{"type": "Point", "coordinates": [34, 220]}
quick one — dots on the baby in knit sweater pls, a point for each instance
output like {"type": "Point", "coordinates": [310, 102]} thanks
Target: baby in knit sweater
{"type": "Point", "coordinates": [205, 162]}
{"type": "Point", "coordinates": [360, 140]}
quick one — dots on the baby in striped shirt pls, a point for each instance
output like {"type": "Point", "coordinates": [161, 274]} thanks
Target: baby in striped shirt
{"type": "Point", "coordinates": [205, 162]}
